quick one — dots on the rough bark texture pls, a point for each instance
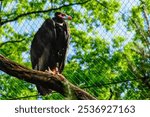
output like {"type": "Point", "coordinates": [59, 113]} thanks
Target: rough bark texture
{"type": "Point", "coordinates": [57, 83]}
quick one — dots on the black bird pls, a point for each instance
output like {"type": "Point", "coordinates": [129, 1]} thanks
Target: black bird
{"type": "Point", "coordinates": [49, 46]}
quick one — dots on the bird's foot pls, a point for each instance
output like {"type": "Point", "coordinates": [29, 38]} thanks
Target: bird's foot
{"type": "Point", "coordinates": [55, 72]}
{"type": "Point", "coordinates": [49, 71]}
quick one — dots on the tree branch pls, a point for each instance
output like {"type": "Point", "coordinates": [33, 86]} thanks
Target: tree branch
{"type": "Point", "coordinates": [145, 15]}
{"type": "Point", "coordinates": [57, 83]}
{"type": "Point", "coordinates": [2, 44]}
{"type": "Point", "coordinates": [109, 83]}
{"type": "Point", "coordinates": [0, 11]}
{"type": "Point", "coordinates": [146, 18]}
{"type": "Point", "coordinates": [133, 68]}
{"type": "Point", "coordinates": [41, 11]}
{"type": "Point", "coordinates": [142, 34]}
{"type": "Point", "coordinates": [18, 98]}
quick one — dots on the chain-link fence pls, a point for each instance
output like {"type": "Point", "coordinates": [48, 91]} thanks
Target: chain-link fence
{"type": "Point", "coordinates": [109, 50]}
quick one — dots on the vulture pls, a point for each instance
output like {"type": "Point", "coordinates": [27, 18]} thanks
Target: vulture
{"type": "Point", "coordinates": [49, 47]}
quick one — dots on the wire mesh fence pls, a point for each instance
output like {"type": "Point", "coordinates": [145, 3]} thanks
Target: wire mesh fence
{"type": "Point", "coordinates": [109, 49]}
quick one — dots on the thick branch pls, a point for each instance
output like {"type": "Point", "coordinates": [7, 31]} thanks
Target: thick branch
{"type": "Point", "coordinates": [47, 80]}
{"type": "Point", "coordinates": [41, 11]}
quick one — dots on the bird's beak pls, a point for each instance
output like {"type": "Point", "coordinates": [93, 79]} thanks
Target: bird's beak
{"type": "Point", "coordinates": [67, 17]}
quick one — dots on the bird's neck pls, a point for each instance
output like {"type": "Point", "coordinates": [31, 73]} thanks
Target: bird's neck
{"type": "Point", "coordinates": [61, 24]}
{"type": "Point", "coordinates": [59, 21]}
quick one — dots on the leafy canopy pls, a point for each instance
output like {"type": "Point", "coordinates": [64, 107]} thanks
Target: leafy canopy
{"type": "Point", "coordinates": [109, 48]}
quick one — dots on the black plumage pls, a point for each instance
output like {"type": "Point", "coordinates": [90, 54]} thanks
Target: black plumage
{"type": "Point", "coordinates": [49, 46]}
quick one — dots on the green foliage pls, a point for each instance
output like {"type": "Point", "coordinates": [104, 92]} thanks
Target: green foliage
{"type": "Point", "coordinates": [102, 62]}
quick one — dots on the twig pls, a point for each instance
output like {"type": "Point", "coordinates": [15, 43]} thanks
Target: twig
{"type": "Point", "coordinates": [145, 15]}
{"type": "Point", "coordinates": [147, 21]}
{"type": "Point", "coordinates": [0, 11]}
{"type": "Point", "coordinates": [41, 11]}
{"type": "Point", "coordinates": [143, 35]}
{"type": "Point", "coordinates": [18, 98]}
{"type": "Point", "coordinates": [2, 44]}
{"type": "Point", "coordinates": [109, 83]}
{"type": "Point", "coordinates": [133, 68]}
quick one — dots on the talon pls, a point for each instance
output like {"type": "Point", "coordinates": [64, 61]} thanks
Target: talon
{"type": "Point", "coordinates": [55, 71]}
{"type": "Point", "coordinates": [49, 71]}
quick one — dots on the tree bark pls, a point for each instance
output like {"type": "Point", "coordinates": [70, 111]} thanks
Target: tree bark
{"type": "Point", "coordinates": [57, 83]}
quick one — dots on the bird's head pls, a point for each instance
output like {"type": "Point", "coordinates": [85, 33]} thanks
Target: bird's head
{"type": "Point", "coordinates": [62, 16]}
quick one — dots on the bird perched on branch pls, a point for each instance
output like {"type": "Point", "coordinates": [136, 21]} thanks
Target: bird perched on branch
{"type": "Point", "coordinates": [49, 46]}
